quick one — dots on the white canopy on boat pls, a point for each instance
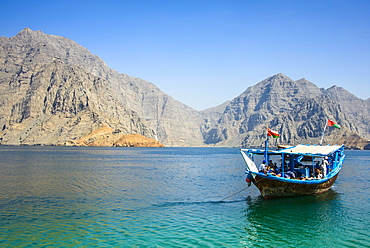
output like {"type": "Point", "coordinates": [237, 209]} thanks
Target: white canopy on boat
{"type": "Point", "coordinates": [308, 149]}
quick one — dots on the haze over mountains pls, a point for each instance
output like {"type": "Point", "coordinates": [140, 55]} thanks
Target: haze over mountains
{"type": "Point", "coordinates": [54, 91]}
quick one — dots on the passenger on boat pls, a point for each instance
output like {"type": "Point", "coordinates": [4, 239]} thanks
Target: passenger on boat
{"type": "Point", "coordinates": [289, 174]}
{"type": "Point", "coordinates": [274, 166]}
{"type": "Point", "coordinates": [279, 169]}
{"type": "Point", "coordinates": [285, 166]}
{"type": "Point", "coordinates": [263, 167]}
{"type": "Point", "coordinates": [270, 164]}
{"type": "Point", "coordinates": [324, 166]}
{"type": "Point", "coordinates": [318, 173]}
{"type": "Point", "coordinates": [271, 171]}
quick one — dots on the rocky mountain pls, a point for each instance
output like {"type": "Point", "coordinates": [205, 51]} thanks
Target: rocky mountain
{"type": "Point", "coordinates": [298, 110]}
{"type": "Point", "coordinates": [55, 92]}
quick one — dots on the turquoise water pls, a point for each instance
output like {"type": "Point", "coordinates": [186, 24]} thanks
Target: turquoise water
{"type": "Point", "coordinates": [168, 197]}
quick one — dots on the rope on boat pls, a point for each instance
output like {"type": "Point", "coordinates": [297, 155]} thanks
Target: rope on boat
{"type": "Point", "coordinates": [238, 191]}
{"type": "Point", "coordinates": [233, 194]}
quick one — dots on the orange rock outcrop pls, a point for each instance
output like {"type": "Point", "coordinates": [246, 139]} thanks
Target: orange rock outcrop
{"type": "Point", "coordinates": [105, 136]}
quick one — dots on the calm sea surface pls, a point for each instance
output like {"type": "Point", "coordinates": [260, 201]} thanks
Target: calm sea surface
{"type": "Point", "coordinates": [168, 197]}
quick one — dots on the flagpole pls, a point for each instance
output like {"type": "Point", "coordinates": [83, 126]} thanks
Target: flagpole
{"type": "Point", "coordinates": [266, 145]}
{"type": "Point", "coordinates": [323, 132]}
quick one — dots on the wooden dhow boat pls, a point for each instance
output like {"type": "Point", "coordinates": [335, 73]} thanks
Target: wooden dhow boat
{"type": "Point", "coordinates": [293, 171]}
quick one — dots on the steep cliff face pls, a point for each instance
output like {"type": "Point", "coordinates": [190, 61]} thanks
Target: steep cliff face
{"type": "Point", "coordinates": [53, 90]}
{"type": "Point", "coordinates": [255, 108]}
{"type": "Point", "coordinates": [356, 111]}
{"type": "Point", "coordinates": [298, 110]}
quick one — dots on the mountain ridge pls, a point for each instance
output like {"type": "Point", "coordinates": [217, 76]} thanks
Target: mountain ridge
{"type": "Point", "coordinates": [29, 49]}
{"type": "Point", "coordinates": [55, 91]}
{"type": "Point", "coordinates": [274, 102]}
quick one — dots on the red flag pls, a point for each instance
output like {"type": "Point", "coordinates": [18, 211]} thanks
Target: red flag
{"type": "Point", "coordinates": [332, 124]}
{"type": "Point", "coordinates": [272, 133]}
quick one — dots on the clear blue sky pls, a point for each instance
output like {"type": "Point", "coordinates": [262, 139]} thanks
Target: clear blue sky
{"type": "Point", "coordinates": [204, 52]}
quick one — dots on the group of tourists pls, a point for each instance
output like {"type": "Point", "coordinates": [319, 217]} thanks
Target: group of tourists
{"type": "Point", "coordinates": [320, 170]}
